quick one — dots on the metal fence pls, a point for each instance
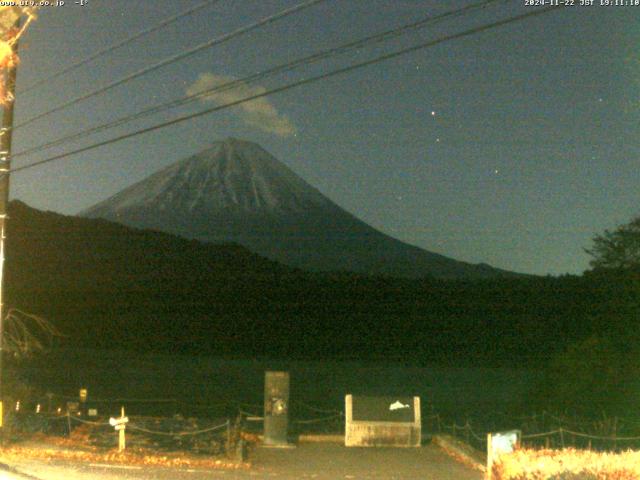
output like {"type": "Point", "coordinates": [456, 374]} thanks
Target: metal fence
{"type": "Point", "coordinates": [166, 423]}
{"type": "Point", "coordinates": [549, 430]}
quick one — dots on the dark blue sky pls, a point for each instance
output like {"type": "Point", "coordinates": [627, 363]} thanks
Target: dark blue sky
{"type": "Point", "coordinates": [534, 146]}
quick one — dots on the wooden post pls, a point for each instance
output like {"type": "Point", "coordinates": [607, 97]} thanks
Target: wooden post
{"type": "Point", "coordinates": [489, 456]}
{"type": "Point", "coordinates": [121, 438]}
{"type": "Point", "coordinates": [467, 427]}
{"type": "Point", "coordinates": [6, 135]}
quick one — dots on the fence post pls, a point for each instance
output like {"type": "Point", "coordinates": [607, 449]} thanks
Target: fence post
{"type": "Point", "coordinates": [466, 432]}
{"type": "Point", "coordinates": [615, 433]}
{"type": "Point", "coordinates": [561, 437]}
{"type": "Point", "coordinates": [489, 457]}
{"type": "Point", "coordinates": [121, 438]}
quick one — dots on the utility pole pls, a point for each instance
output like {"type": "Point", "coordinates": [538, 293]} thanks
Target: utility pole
{"type": "Point", "coordinates": [6, 134]}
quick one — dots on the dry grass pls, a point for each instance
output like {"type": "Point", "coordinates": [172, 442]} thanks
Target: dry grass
{"type": "Point", "coordinates": [567, 464]}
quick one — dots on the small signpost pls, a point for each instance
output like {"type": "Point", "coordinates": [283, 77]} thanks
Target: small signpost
{"type": "Point", "coordinates": [82, 396]}
{"type": "Point", "coordinates": [119, 424]}
{"type": "Point", "coordinates": [500, 443]}
{"type": "Point", "coordinates": [73, 408]}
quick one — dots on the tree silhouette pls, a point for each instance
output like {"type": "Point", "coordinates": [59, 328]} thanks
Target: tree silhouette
{"type": "Point", "coordinates": [618, 249]}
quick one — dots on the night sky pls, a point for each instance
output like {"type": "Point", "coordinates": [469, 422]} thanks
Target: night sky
{"type": "Point", "coordinates": [511, 147]}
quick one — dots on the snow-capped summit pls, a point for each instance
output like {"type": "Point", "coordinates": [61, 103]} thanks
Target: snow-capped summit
{"type": "Point", "coordinates": [235, 191]}
{"type": "Point", "coordinates": [232, 175]}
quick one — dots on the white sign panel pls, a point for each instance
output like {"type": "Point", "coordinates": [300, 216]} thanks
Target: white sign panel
{"type": "Point", "coordinates": [118, 421]}
{"type": "Point", "coordinates": [505, 442]}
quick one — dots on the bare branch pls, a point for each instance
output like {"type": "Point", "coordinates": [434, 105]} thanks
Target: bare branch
{"type": "Point", "coordinates": [26, 333]}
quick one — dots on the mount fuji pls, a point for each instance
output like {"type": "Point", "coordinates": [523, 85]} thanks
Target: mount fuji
{"type": "Point", "coordinates": [236, 191]}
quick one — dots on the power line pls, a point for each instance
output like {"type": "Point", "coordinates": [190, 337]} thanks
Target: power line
{"type": "Point", "coordinates": [117, 45]}
{"type": "Point", "coordinates": [181, 56]}
{"type": "Point", "coordinates": [290, 86]}
{"type": "Point", "coordinates": [364, 42]}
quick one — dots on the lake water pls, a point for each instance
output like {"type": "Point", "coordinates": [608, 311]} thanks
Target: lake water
{"type": "Point", "coordinates": [202, 385]}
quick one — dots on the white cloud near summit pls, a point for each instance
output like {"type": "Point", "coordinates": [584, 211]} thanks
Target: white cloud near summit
{"type": "Point", "coordinates": [259, 113]}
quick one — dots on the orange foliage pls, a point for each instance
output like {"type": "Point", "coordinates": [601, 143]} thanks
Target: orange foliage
{"type": "Point", "coordinates": [568, 464]}
{"type": "Point", "coordinates": [9, 35]}
{"type": "Point", "coordinates": [250, 437]}
{"type": "Point", "coordinates": [42, 447]}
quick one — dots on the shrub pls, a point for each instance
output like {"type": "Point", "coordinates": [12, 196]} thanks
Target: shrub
{"type": "Point", "coordinates": [567, 464]}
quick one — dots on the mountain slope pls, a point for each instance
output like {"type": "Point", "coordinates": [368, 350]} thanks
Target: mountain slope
{"type": "Point", "coordinates": [109, 286]}
{"type": "Point", "coordinates": [237, 192]}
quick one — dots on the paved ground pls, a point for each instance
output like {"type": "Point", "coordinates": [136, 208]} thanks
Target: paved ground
{"type": "Point", "coordinates": [64, 470]}
{"type": "Point", "coordinates": [320, 461]}
{"type": "Point", "coordinates": [332, 461]}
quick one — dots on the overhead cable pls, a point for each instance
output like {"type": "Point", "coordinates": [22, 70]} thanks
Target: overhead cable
{"type": "Point", "coordinates": [116, 46]}
{"type": "Point", "coordinates": [176, 58]}
{"type": "Point", "coordinates": [340, 71]}
{"type": "Point", "coordinates": [286, 67]}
